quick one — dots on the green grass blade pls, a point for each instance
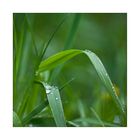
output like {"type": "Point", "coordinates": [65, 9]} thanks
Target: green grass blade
{"type": "Point", "coordinates": [67, 83]}
{"type": "Point", "coordinates": [105, 78]}
{"type": "Point", "coordinates": [16, 120]}
{"type": "Point", "coordinates": [55, 105]}
{"type": "Point", "coordinates": [82, 111]}
{"type": "Point", "coordinates": [24, 65]}
{"type": "Point", "coordinates": [72, 32]}
{"type": "Point", "coordinates": [97, 116]}
{"type": "Point", "coordinates": [56, 59]}
{"type": "Point", "coordinates": [22, 105]}
{"type": "Point", "coordinates": [94, 122]}
{"type": "Point", "coordinates": [68, 44]}
{"type": "Point", "coordinates": [37, 110]}
{"type": "Point", "coordinates": [19, 49]}
{"type": "Point", "coordinates": [51, 37]}
{"type": "Point", "coordinates": [63, 56]}
{"type": "Point", "coordinates": [14, 39]}
{"type": "Point", "coordinates": [73, 124]}
{"type": "Point", "coordinates": [33, 39]}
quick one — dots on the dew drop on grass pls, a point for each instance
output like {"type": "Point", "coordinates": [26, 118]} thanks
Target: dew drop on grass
{"type": "Point", "coordinates": [48, 91]}
{"type": "Point", "coordinates": [48, 88]}
{"type": "Point", "coordinates": [88, 51]}
{"type": "Point", "coordinates": [113, 89]}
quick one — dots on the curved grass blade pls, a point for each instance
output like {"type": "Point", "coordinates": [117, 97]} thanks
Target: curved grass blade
{"type": "Point", "coordinates": [63, 56]}
{"type": "Point", "coordinates": [16, 120]}
{"type": "Point", "coordinates": [55, 105]}
{"type": "Point", "coordinates": [37, 110]}
{"type": "Point", "coordinates": [102, 73]}
{"type": "Point", "coordinates": [68, 44]}
{"type": "Point", "coordinates": [56, 59]}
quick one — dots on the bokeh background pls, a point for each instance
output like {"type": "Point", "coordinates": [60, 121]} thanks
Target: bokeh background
{"type": "Point", "coordinates": [103, 33]}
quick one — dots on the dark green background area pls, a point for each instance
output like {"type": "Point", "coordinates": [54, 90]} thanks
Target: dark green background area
{"type": "Point", "coordinates": [103, 33]}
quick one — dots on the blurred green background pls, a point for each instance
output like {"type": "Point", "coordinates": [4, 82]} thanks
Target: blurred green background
{"type": "Point", "coordinates": [103, 33]}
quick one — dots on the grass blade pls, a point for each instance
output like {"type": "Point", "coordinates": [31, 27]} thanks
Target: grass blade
{"type": "Point", "coordinates": [25, 65]}
{"type": "Point", "coordinates": [73, 31]}
{"type": "Point", "coordinates": [33, 39]}
{"type": "Point", "coordinates": [22, 105]}
{"type": "Point", "coordinates": [37, 110]}
{"type": "Point", "coordinates": [63, 56]}
{"type": "Point", "coordinates": [19, 42]}
{"type": "Point", "coordinates": [68, 44]}
{"type": "Point", "coordinates": [67, 83]}
{"type": "Point", "coordinates": [51, 37]}
{"type": "Point", "coordinates": [94, 122]}
{"type": "Point", "coordinates": [16, 120]}
{"type": "Point", "coordinates": [56, 59]}
{"type": "Point", "coordinates": [97, 116]}
{"type": "Point", "coordinates": [55, 105]}
{"type": "Point", "coordinates": [73, 124]}
{"type": "Point", "coordinates": [105, 78]}
{"type": "Point", "coordinates": [82, 111]}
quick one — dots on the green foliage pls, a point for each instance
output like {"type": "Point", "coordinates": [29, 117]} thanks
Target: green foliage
{"type": "Point", "coordinates": [16, 120]}
{"type": "Point", "coordinates": [53, 87]}
{"type": "Point", "coordinates": [37, 110]}
{"type": "Point", "coordinates": [63, 56]}
{"type": "Point", "coordinates": [59, 58]}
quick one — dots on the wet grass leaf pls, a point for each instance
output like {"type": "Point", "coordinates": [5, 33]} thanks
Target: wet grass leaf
{"type": "Point", "coordinates": [55, 105]}
{"type": "Point", "coordinates": [64, 56]}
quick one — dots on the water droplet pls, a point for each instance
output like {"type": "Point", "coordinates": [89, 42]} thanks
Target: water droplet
{"type": "Point", "coordinates": [87, 50]}
{"type": "Point", "coordinates": [56, 98]}
{"type": "Point", "coordinates": [48, 88]}
{"type": "Point", "coordinates": [48, 91]}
